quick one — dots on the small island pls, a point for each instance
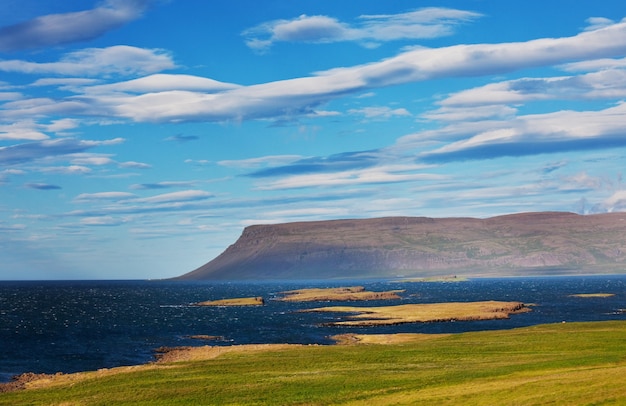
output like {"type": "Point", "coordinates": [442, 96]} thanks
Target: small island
{"type": "Point", "coordinates": [422, 313]}
{"type": "Point", "coordinates": [350, 293]}
{"type": "Point", "coordinates": [240, 301]}
{"type": "Point", "coordinates": [588, 295]}
{"type": "Point", "coordinates": [206, 337]}
{"type": "Point", "coordinates": [442, 279]}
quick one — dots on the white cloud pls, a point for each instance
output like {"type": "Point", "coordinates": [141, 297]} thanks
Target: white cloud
{"type": "Point", "coordinates": [67, 170]}
{"type": "Point", "coordinates": [164, 82]}
{"type": "Point", "coordinates": [105, 159]}
{"type": "Point", "coordinates": [64, 82]}
{"type": "Point", "coordinates": [90, 197]}
{"type": "Point", "coordinates": [199, 162]}
{"type": "Point", "coordinates": [39, 107]}
{"type": "Point", "coordinates": [102, 221]}
{"type": "Point", "coordinates": [57, 29]}
{"type": "Point", "coordinates": [596, 23]}
{"type": "Point", "coordinates": [162, 185]}
{"type": "Point", "coordinates": [22, 130]}
{"type": "Point", "coordinates": [302, 29]}
{"type": "Point", "coordinates": [617, 199]}
{"type": "Point", "coordinates": [526, 134]}
{"type": "Point", "coordinates": [270, 160]}
{"type": "Point", "coordinates": [91, 159]}
{"type": "Point", "coordinates": [119, 60]}
{"type": "Point", "coordinates": [424, 23]}
{"type": "Point", "coordinates": [11, 227]}
{"type": "Point", "coordinates": [595, 65]}
{"type": "Point", "coordinates": [380, 112]}
{"type": "Point", "coordinates": [473, 113]}
{"type": "Point", "coordinates": [182, 196]}
{"type": "Point", "coordinates": [13, 172]}
{"type": "Point", "coordinates": [584, 180]}
{"type": "Point", "coordinates": [37, 150]}
{"type": "Point", "coordinates": [301, 96]}
{"type": "Point", "coordinates": [4, 96]}
{"type": "Point", "coordinates": [609, 84]}
{"type": "Point", "coordinates": [134, 165]}
{"type": "Point", "coordinates": [379, 174]}
{"type": "Point", "coordinates": [58, 126]}
{"type": "Point", "coordinates": [431, 22]}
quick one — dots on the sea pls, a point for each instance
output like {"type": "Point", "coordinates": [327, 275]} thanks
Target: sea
{"type": "Point", "coordinates": [70, 326]}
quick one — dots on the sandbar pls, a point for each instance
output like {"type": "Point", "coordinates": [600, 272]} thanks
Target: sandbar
{"type": "Point", "coordinates": [350, 293]}
{"type": "Point", "coordinates": [422, 313]}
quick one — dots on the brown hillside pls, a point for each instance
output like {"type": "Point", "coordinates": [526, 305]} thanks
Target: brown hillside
{"type": "Point", "coordinates": [517, 244]}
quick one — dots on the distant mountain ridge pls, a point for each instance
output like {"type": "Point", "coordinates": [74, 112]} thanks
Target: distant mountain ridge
{"type": "Point", "coordinates": [542, 243]}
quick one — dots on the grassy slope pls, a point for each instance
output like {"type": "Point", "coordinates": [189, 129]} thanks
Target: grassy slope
{"type": "Point", "coordinates": [573, 363]}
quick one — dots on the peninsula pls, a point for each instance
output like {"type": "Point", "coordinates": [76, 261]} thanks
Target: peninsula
{"type": "Point", "coordinates": [523, 244]}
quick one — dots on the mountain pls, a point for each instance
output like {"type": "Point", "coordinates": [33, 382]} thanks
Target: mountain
{"type": "Point", "coordinates": [545, 243]}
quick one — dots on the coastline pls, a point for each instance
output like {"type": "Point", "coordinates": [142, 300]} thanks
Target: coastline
{"type": "Point", "coordinates": [148, 359]}
{"type": "Point", "coordinates": [533, 365]}
{"type": "Point", "coordinates": [389, 315]}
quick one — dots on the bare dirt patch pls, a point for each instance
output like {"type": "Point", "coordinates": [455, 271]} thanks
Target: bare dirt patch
{"type": "Point", "coordinates": [397, 338]}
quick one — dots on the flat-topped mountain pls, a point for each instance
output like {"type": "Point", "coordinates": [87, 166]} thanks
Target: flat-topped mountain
{"type": "Point", "coordinates": [545, 243]}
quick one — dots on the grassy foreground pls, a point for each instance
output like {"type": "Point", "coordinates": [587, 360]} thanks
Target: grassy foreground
{"type": "Point", "coordinates": [568, 364]}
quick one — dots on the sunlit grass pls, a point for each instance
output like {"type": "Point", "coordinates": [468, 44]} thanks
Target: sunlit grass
{"type": "Point", "coordinates": [572, 363]}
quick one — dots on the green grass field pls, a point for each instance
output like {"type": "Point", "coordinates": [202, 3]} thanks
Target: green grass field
{"type": "Point", "coordinates": [561, 364]}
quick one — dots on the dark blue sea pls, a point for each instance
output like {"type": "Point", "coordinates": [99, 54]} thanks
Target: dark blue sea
{"type": "Point", "coordinates": [71, 326]}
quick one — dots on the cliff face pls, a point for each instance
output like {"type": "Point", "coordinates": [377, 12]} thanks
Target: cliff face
{"type": "Point", "coordinates": [518, 244]}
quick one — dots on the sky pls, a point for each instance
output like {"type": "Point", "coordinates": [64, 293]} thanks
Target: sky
{"type": "Point", "coordinates": [139, 137]}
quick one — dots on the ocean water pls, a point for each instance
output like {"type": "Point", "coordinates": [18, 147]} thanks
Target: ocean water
{"type": "Point", "coordinates": [70, 326]}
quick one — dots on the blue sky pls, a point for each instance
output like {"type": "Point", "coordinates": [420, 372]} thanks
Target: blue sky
{"type": "Point", "coordinates": [138, 138]}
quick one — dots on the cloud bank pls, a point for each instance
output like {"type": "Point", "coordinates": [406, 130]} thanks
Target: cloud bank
{"type": "Point", "coordinates": [302, 96]}
{"type": "Point", "coordinates": [59, 29]}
